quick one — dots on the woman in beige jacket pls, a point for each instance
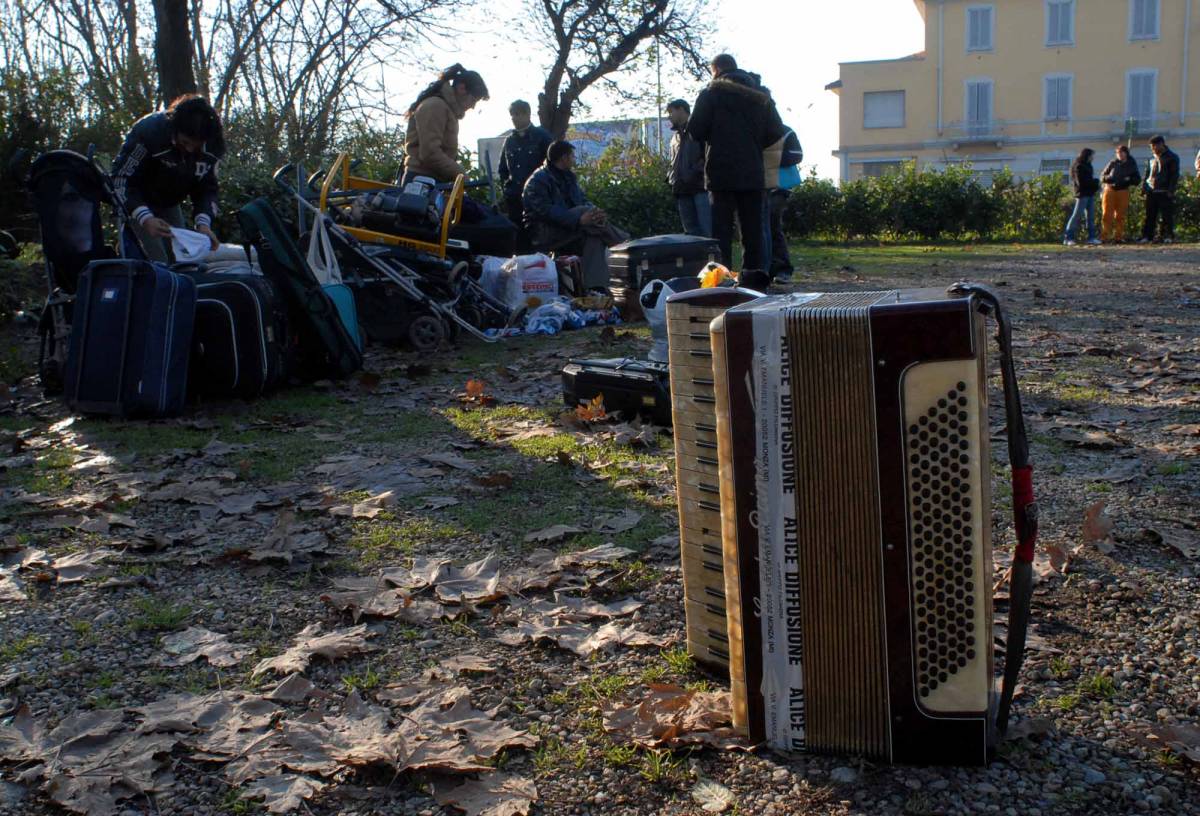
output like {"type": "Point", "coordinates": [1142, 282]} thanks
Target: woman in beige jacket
{"type": "Point", "coordinates": [431, 141]}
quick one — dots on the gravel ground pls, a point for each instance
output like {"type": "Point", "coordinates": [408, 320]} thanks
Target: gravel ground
{"type": "Point", "coordinates": [1109, 359]}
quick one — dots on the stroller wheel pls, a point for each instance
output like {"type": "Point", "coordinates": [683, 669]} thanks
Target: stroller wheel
{"type": "Point", "coordinates": [426, 332]}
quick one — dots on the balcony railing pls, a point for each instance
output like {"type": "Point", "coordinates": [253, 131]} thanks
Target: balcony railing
{"type": "Point", "coordinates": [1096, 127]}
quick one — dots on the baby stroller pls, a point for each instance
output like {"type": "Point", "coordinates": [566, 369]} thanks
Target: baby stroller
{"type": "Point", "coordinates": [67, 190]}
{"type": "Point", "coordinates": [413, 285]}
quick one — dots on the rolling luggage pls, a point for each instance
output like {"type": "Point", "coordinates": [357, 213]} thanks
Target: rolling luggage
{"type": "Point", "coordinates": [131, 337]}
{"type": "Point", "coordinates": [633, 264]}
{"type": "Point", "coordinates": [239, 347]}
{"type": "Point", "coordinates": [631, 387]}
{"type": "Point", "coordinates": [326, 346]}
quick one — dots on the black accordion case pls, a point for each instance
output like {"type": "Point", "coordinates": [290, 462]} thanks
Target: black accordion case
{"type": "Point", "coordinates": [631, 387]}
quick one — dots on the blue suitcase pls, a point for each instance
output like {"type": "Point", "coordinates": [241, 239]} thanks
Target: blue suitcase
{"type": "Point", "coordinates": [131, 336]}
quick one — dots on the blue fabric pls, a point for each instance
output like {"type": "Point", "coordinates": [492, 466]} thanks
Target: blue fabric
{"type": "Point", "coordinates": [1085, 208]}
{"type": "Point", "coordinates": [789, 177]}
{"type": "Point", "coordinates": [343, 300]}
{"type": "Point", "coordinates": [695, 212]}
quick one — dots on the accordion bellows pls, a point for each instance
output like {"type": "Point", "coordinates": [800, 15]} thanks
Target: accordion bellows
{"type": "Point", "coordinates": [855, 517]}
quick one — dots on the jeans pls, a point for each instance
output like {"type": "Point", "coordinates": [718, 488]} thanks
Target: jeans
{"type": "Point", "coordinates": [1159, 206]}
{"type": "Point", "coordinates": [747, 205]}
{"type": "Point", "coordinates": [695, 212]}
{"type": "Point", "coordinates": [781, 261]}
{"type": "Point", "coordinates": [1085, 207]}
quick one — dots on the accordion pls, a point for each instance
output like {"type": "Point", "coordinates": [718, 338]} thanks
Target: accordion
{"type": "Point", "coordinates": [855, 521]}
{"type": "Point", "coordinates": [697, 484]}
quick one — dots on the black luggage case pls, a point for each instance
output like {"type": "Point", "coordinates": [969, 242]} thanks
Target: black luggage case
{"type": "Point", "coordinates": [131, 335]}
{"type": "Point", "coordinates": [633, 264]}
{"type": "Point", "coordinates": [631, 387]}
{"type": "Point", "coordinates": [240, 343]}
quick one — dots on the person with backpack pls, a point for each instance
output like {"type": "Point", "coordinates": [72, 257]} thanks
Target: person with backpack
{"type": "Point", "coordinates": [686, 176]}
{"type": "Point", "coordinates": [1085, 185]}
{"type": "Point", "coordinates": [781, 165]}
{"type": "Point", "coordinates": [1160, 183]}
{"type": "Point", "coordinates": [166, 157]}
{"type": "Point", "coordinates": [1119, 176]}
{"type": "Point", "coordinates": [736, 120]}
{"type": "Point", "coordinates": [431, 139]}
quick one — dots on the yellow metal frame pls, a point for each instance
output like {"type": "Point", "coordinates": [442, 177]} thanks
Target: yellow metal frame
{"type": "Point", "coordinates": [339, 172]}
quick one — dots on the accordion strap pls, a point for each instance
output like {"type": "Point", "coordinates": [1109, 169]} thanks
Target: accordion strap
{"type": "Point", "coordinates": [1025, 511]}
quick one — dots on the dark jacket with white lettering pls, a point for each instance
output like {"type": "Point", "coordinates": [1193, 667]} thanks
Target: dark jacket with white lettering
{"type": "Point", "coordinates": [151, 173]}
{"type": "Point", "coordinates": [523, 152]}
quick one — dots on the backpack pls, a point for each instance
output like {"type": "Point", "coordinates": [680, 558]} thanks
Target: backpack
{"type": "Point", "coordinates": [792, 153]}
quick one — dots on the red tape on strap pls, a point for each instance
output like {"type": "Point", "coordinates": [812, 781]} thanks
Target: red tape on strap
{"type": "Point", "coordinates": [1022, 489]}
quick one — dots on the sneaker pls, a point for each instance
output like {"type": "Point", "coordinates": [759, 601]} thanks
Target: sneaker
{"type": "Point", "coordinates": [1093, 242]}
{"type": "Point", "coordinates": [1143, 240]}
{"type": "Point", "coordinates": [1069, 242]}
{"type": "Point", "coordinates": [1168, 240]}
{"type": "Point", "coordinates": [783, 277]}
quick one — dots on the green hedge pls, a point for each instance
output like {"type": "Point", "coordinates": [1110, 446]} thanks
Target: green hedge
{"type": "Point", "coordinates": [629, 182]}
{"type": "Point", "coordinates": [954, 205]}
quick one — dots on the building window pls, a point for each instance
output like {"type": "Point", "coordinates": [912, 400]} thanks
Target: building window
{"type": "Point", "coordinates": [979, 28]}
{"type": "Point", "coordinates": [979, 107]}
{"type": "Point", "coordinates": [883, 109]}
{"type": "Point", "coordinates": [1060, 22]}
{"type": "Point", "coordinates": [1141, 99]}
{"type": "Point", "coordinates": [1058, 98]}
{"type": "Point", "coordinates": [1056, 167]}
{"type": "Point", "coordinates": [1143, 19]}
{"type": "Point", "coordinates": [879, 169]}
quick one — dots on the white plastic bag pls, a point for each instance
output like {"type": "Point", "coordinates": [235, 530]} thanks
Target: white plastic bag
{"type": "Point", "coordinates": [321, 259]}
{"type": "Point", "coordinates": [189, 246]}
{"type": "Point", "coordinates": [492, 276]}
{"type": "Point", "coordinates": [529, 280]}
{"type": "Point", "coordinates": [228, 259]}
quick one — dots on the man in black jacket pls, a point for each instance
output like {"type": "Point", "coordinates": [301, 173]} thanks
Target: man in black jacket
{"type": "Point", "coordinates": [523, 152]}
{"type": "Point", "coordinates": [736, 120]}
{"type": "Point", "coordinates": [1162, 178]}
{"type": "Point", "coordinates": [561, 219]}
{"type": "Point", "coordinates": [687, 173]}
{"type": "Point", "coordinates": [167, 157]}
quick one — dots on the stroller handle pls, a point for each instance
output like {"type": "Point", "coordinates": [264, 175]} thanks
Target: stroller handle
{"type": "Point", "coordinates": [282, 174]}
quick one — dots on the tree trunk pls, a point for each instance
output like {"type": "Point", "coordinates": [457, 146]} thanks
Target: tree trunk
{"type": "Point", "coordinates": [173, 49]}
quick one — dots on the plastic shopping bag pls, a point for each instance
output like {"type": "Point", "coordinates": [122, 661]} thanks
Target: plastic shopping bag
{"type": "Point", "coordinates": [189, 246]}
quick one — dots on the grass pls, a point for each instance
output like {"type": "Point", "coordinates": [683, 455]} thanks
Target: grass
{"type": "Point", "coordinates": [14, 649]}
{"type": "Point", "coordinates": [678, 661]}
{"type": "Point", "coordinates": [950, 261]}
{"type": "Point", "coordinates": [661, 766]}
{"type": "Point", "coordinates": [1060, 668]}
{"type": "Point", "coordinates": [620, 755]}
{"type": "Point", "coordinates": [234, 805]}
{"type": "Point", "coordinates": [1172, 468]}
{"type": "Point", "coordinates": [1098, 687]}
{"type": "Point", "coordinates": [384, 539]}
{"type": "Point", "coordinates": [634, 578]}
{"type": "Point", "coordinates": [366, 680]}
{"type": "Point", "coordinates": [157, 615]}
{"type": "Point", "coordinates": [554, 752]}
{"type": "Point", "coordinates": [1067, 702]}
{"type": "Point", "coordinates": [49, 475]}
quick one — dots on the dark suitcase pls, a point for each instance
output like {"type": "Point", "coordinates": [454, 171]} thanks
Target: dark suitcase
{"type": "Point", "coordinates": [325, 346]}
{"type": "Point", "coordinates": [239, 347]}
{"type": "Point", "coordinates": [131, 337]}
{"type": "Point", "coordinates": [631, 387]}
{"type": "Point", "coordinates": [633, 264]}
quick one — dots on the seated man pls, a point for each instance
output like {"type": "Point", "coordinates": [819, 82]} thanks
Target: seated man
{"type": "Point", "coordinates": [560, 219]}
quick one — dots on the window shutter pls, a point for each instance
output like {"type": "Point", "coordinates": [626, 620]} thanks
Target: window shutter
{"type": "Point", "coordinates": [979, 29]}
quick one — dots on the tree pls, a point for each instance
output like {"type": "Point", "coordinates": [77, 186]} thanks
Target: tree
{"type": "Point", "coordinates": [173, 49]}
{"type": "Point", "coordinates": [597, 40]}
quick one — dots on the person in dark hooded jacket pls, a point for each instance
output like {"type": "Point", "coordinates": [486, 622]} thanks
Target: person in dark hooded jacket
{"type": "Point", "coordinates": [169, 156]}
{"type": "Point", "coordinates": [736, 120]}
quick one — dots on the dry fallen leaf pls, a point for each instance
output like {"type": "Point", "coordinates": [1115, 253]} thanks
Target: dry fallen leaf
{"type": "Point", "coordinates": [591, 411]}
{"type": "Point", "coordinates": [495, 794]}
{"type": "Point", "coordinates": [309, 644]}
{"type": "Point", "coordinates": [713, 797]}
{"type": "Point", "coordinates": [194, 643]}
{"type": "Point", "coordinates": [672, 717]}
{"type": "Point", "coordinates": [283, 793]}
{"type": "Point", "coordinates": [552, 534]}
{"type": "Point", "coordinates": [1182, 739]}
{"type": "Point", "coordinates": [1098, 528]}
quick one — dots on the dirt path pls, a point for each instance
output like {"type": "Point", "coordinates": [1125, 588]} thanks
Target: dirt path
{"type": "Point", "coordinates": [334, 505]}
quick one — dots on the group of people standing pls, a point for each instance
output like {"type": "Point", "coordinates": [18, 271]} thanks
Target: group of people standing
{"type": "Point", "coordinates": [733, 159]}
{"type": "Point", "coordinates": [1115, 184]}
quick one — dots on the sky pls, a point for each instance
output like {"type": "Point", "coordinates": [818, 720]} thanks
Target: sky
{"type": "Point", "coordinates": [795, 45]}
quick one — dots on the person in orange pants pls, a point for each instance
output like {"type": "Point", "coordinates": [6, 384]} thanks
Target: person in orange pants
{"type": "Point", "coordinates": [1119, 177]}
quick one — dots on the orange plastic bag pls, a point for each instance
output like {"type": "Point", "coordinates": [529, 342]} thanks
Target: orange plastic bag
{"type": "Point", "coordinates": [715, 274]}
